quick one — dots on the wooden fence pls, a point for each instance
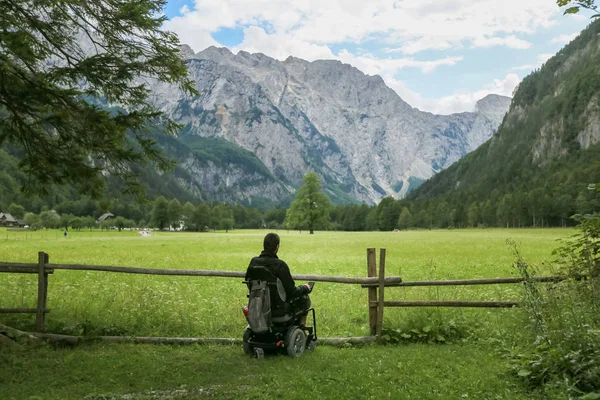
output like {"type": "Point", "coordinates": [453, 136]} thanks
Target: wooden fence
{"type": "Point", "coordinates": [376, 282]}
{"type": "Point", "coordinates": [42, 270]}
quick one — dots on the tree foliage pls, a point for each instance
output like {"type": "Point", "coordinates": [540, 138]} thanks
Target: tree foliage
{"type": "Point", "coordinates": [310, 208]}
{"type": "Point", "coordinates": [575, 6]}
{"type": "Point", "coordinates": [160, 213]}
{"type": "Point", "coordinates": [62, 65]}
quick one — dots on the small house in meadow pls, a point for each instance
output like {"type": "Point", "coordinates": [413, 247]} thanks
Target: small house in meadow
{"type": "Point", "coordinates": [7, 220]}
{"type": "Point", "coordinates": [105, 216]}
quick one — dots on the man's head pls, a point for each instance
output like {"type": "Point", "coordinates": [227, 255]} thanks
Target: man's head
{"type": "Point", "coordinates": [271, 243]}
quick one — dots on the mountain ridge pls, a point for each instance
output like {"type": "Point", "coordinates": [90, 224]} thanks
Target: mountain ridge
{"type": "Point", "coordinates": [297, 116]}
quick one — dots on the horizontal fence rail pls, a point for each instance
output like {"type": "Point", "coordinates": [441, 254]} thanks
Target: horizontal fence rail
{"type": "Point", "coordinates": [450, 303]}
{"type": "Point", "coordinates": [465, 282]}
{"type": "Point", "coordinates": [21, 310]}
{"type": "Point", "coordinates": [22, 267]}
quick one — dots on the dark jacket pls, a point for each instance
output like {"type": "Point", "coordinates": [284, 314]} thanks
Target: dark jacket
{"type": "Point", "coordinates": [281, 270]}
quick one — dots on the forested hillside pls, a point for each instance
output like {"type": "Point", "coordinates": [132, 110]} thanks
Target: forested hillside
{"type": "Point", "coordinates": [536, 169]}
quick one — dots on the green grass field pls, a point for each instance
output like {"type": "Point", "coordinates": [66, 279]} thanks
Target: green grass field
{"type": "Point", "coordinates": [118, 304]}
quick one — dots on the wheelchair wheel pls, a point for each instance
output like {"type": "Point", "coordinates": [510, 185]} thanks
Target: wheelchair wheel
{"type": "Point", "coordinates": [247, 346]}
{"type": "Point", "coordinates": [295, 341]}
{"type": "Point", "coordinates": [259, 353]}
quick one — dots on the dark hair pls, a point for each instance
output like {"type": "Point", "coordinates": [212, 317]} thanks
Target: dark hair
{"type": "Point", "coordinates": [271, 242]}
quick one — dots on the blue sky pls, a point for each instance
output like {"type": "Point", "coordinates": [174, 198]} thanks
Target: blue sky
{"type": "Point", "coordinates": [439, 56]}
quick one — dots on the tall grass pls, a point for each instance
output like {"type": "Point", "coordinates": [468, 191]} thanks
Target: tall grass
{"type": "Point", "coordinates": [110, 303]}
{"type": "Point", "coordinates": [563, 356]}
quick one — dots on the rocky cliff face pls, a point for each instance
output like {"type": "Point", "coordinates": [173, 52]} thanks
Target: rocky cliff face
{"type": "Point", "coordinates": [324, 116]}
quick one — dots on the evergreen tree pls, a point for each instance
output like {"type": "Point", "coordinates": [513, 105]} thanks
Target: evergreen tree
{"type": "Point", "coordinates": [422, 219]}
{"type": "Point", "coordinates": [473, 214]}
{"type": "Point", "coordinates": [405, 220]}
{"type": "Point", "coordinates": [160, 213]}
{"type": "Point", "coordinates": [488, 214]}
{"type": "Point", "coordinates": [372, 220]}
{"type": "Point", "coordinates": [310, 207]}
{"type": "Point", "coordinates": [564, 208]}
{"type": "Point", "coordinates": [61, 60]}
{"type": "Point", "coordinates": [388, 214]}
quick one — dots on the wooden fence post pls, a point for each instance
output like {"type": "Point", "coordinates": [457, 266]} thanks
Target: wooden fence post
{"type": "Point", "coordinates": [372, 272]}
{"type": "Point", "coordinates": [381, 288]}
{"type": "Point", "coordinates": [42, 291]}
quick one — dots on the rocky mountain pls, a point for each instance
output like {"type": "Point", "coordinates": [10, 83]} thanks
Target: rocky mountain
{"type": "Point", "coordinates": [260, 124]}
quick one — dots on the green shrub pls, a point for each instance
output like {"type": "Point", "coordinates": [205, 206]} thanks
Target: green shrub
{"type": "Point", "coordinates": [565, 318]}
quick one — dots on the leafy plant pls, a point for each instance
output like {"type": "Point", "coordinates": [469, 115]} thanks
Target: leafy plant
{"type": "Point", "coordinates": [447, 333]}
{"type": "Point", "coordinates": [565, 318]}
{"type": "Point", "coordinates": [576, 6]}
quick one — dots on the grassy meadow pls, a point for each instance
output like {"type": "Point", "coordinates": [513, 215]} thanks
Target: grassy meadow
{"type": "Point", "coordinates": [87, 302]}
{"type": "Point", "coordinates": [94, 303]}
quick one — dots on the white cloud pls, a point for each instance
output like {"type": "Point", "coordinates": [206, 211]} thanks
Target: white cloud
{"type": "Point", "coordinates": [414, 46]}
{"type": "Point", "coordinates": [281, 46]}
{"type": "Point", "coordinates": [457, 102]}
{"type": "Point", "coordinates": [526, 67]}
{"type": "Point", "coordinates": [543, 57]}
{"type": "Point", "coordinates": [564, 39]}
{"type": "Point", "coordinates": [511, 41]}
{"type": "Point", "coordinates": [540, 58]}
{"type": "Point", "coordinates": [388, 66]}
{"type": "Point", "coordinates": [411, 26]}
{"type": "Point", "coordinates": [578, 17]}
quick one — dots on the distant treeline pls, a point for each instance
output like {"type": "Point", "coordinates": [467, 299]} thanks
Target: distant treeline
{"type": "Point", "coordinates": [520, 209]}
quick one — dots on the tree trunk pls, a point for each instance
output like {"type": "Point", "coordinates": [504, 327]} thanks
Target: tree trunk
{"type": "Point", "coordinates": [312, 232]}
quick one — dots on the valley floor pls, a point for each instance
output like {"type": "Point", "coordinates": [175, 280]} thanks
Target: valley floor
{"type": "Point", "coordinates": [470, 364]}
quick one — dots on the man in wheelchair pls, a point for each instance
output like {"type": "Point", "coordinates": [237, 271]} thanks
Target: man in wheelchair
{"type": "Point", "coordinates": [277, 308]}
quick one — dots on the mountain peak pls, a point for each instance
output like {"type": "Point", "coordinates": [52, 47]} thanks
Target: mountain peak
{"type": "Point", "coordinates": [492, 100]}
{"type": "Point", "coordinates": [215, 53]}
{"type": "Point", "coordinates": [493, 106]}
{"type": "Point", "coordinates": [186, 51]}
